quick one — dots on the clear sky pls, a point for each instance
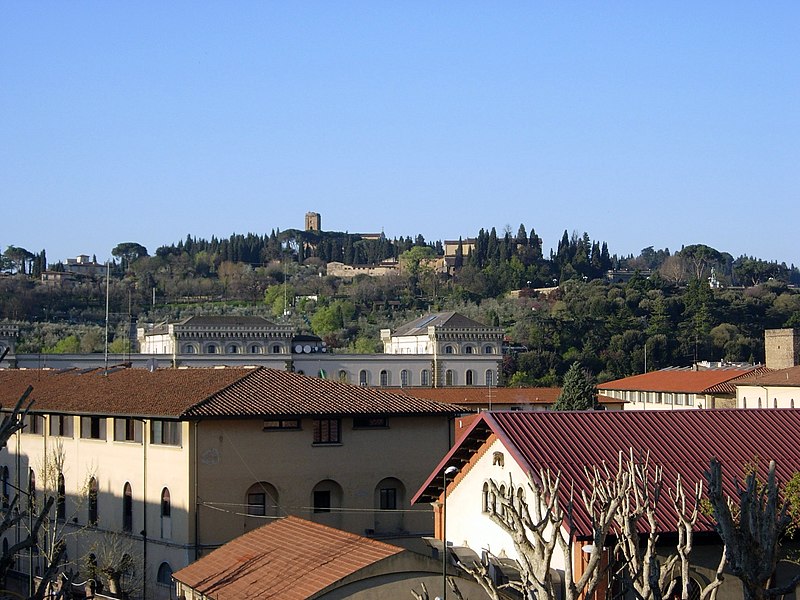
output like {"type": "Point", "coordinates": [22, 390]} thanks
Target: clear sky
{"type": "Point", "coordinates": [640, 123]}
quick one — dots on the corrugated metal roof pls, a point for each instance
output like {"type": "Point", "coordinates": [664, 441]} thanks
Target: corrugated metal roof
{"type": "Point", "coordinates": [290, 558]}
{"type": "Point", "coordinates": [682, 442]}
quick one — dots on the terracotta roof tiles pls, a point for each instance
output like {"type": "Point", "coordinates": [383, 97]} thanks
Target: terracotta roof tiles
{"type": "Point", "coordinates": [204, 392]}
{"type": "Point", "coordinates": [674, 380]}
{"type": "Point", "coordinates": [291, 559]}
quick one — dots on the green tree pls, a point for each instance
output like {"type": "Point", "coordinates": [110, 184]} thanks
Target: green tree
{"type": "Point", "coordinates": [128, 252]}
{"type": "Point", "coordinates": [579, 391]}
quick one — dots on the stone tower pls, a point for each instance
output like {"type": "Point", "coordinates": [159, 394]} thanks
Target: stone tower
{"type": "Point", "coordinates": [313, 221]}
{"type": "Point", "coordinates": [782, 348]}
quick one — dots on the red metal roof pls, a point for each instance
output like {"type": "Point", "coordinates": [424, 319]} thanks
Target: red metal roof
{"type": "Point", "coordinates": [682, 442]}
{"type": "Point", "coordinates": [290, 559]}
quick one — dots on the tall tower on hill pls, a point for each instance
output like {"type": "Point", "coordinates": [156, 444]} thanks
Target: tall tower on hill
{"type": "Point", "coordinates": [313, 221]}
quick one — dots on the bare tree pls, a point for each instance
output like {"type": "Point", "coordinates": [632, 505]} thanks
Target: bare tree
{"type": "Point", "coordinates": [31, 517]}
{"type": "Point", "coordinates": [621, 504]}
{"type": "Point", "coordinates": [752, 527]}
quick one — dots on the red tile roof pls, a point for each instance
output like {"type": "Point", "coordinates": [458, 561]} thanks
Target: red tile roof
{"type": "Point", "coordinates": [784, 377]}
{"type": "Point", "coordinates": [202, 392]}
{"type": "Point", "coordinates": [482, 395]}
{"type": "Point", "coordinates": [674, 380]}
{"type": "Point", "coordinates": [729, 387]}
{"type": "Point", "coordinates": [289, 559]}
{"type": "Point", "coordinates": [683, 442]}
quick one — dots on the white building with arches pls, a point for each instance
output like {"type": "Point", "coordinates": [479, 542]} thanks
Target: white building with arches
{"type": "Point", "coordinates": [177, 462]}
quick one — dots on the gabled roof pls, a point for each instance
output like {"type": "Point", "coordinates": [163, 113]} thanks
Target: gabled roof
{"type": "Point", "coordinates": [442, 320]}
{"type": "Point", "coordinates": [289, 558]}
{"type": "Point", "coordinates": [225, 321]}
{"type": "Point", "coordinates": [729, 387]}
{"type": "Point", "coordinates": [204, 392]}
{"type": "Point", "coordinates": [674, 380]}
{"type": "Point", "coordinates": [682, 442]}
{"type": "Point", "coordinates": [783, 377]}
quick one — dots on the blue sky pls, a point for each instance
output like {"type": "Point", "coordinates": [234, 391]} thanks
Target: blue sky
{"type": "Point", "coordinates": [640, 123]}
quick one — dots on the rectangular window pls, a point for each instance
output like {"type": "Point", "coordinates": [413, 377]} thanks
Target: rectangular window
{"type": "Point", "coordinates": [256, 504]}
{"type": "Point", "coordinates": [167, 433]}
{"type": "Point", "coordinates": [370, 423]}
{"type": "Point", "coordinates": [326, 431]}
{"type": "Point", "coordinates": [322, 501]}
{"type": "Point", "coordinates": [282, 424]}
{"type": "Point", "coordinates": [93, 428]}
{"type": "Point", "coordinates": [388, 498]}
{"type": "Point", "coordinates": [128, 430]}
{"type": "Point", "coordinates": [34, 424]}
{"type": "Point", "coordinates": [689, 399]}
{"type": "Point", "coordinates": [61, 425]}
{"type": "Point", "coordinates": [680, 399]}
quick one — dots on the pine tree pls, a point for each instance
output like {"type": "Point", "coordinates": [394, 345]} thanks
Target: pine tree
{"type": "Point", "coordinates": [579, 391]}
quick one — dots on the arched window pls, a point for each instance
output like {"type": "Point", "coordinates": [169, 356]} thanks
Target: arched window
{"type": "Point", "coordinates": [127, 508]}
{"type": "Point", "coordinates": [449, 349]}
{"type": "Point", "coordinates": [470, 376]}
{"type": "Point", "coordinates": [166, 512]}
{"type": "Point", "coordinates": [189, 349]}
{"type": "Point", "coordinates": [405, 377]}
{"type": "Point", "coordinates": [326, 497]}
{"type": "Point", "coordinates": [389, 498]}
{"type": "Point", "coordinates": [61, 498]}
{"type": "Point", "coordinates": [276, 349]}
{"type": "Point", "coordinates": [425, 378]}
{"type": "Point", "coordinates": [93, 491]}
{"type": "Point", "coordinates": [343, 376]}
{"type": "Point", "coordinates": [254, 349]}
{"type": "Point", "coordinates": [164, 576]}
{"type": "Point", "coordinates": [363, 378]}
{"type": "Point", "coordinates": [211, 349]}
{"type": "Point", "coordinates": [233, 349]}
{"type": "Point", "coordinates": [469, 350]}
{"type": "Point", "coordinates": [485, 497]}
{"type": "Point", "coordinates": [488, 349]}
{"type": "Point", "coordinates": [774, 403]}
{"type": "Point", "coordinates": [489, 377]}
{"type": "Point", "coordinates": [262, 500]}
{"type": "Point", "coordinates": [384, 378]}
{"type": "Point", "coordinates": [448, 377]}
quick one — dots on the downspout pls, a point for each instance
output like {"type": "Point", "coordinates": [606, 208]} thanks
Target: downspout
{"type": "Point", "coordinates": [145, 441]}
{"type": "Point", "coordinates": [196, 496]}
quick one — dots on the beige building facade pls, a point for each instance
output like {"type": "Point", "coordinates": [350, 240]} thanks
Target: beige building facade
{"type": "Point", "coordinates": [173, 463]}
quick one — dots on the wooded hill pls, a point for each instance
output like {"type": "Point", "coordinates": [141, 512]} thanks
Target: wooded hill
{"type": "Point", "coordinates": [669, 308]}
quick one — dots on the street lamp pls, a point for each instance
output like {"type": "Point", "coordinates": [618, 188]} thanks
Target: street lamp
{"type": "Point", "coordinates": [448, 472]}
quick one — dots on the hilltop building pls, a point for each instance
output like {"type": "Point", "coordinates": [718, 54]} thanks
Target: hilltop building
{"type": "Point", "coordinates": [313, 221]}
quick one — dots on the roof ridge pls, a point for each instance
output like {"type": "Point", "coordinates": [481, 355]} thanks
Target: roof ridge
{"type": "Point", "coordinates": [221, 390]}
